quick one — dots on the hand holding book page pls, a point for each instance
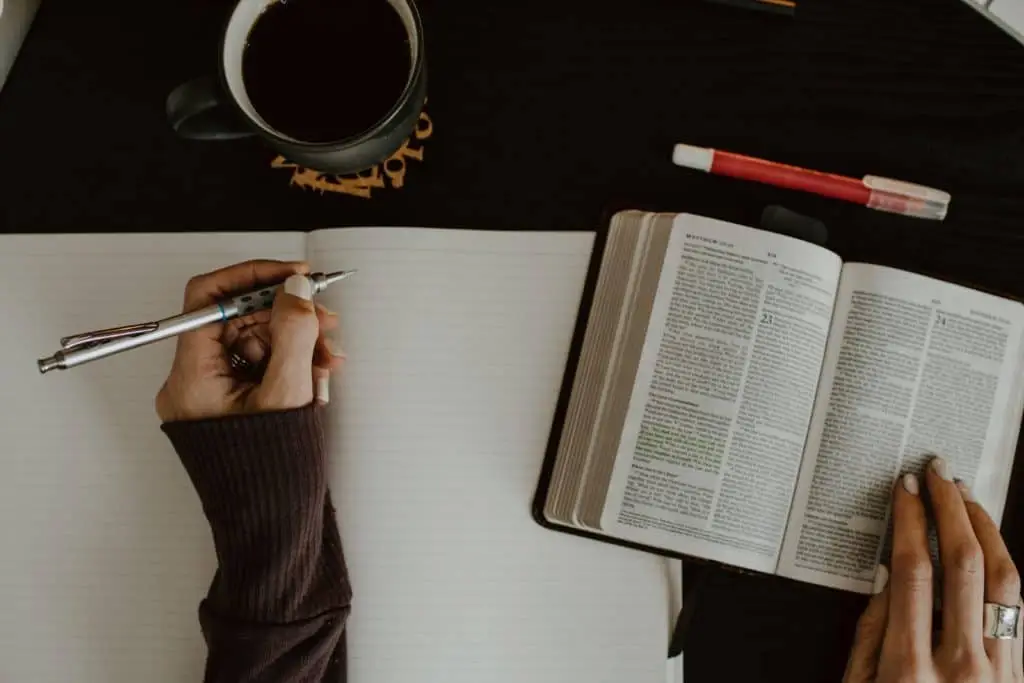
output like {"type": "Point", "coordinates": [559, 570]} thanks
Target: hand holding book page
{"type": "Point", "coordinates": [915, 367]}
{"type": "Point", "coordinates": [902, 636]}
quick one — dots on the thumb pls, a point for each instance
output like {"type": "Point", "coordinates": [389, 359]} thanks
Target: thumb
{"type": "Point", "coordinates": [867, 642]}
{"type": "Point", "coordinates": [294, 328]}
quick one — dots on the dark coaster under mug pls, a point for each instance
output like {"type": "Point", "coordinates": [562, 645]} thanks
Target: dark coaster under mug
{"type": "Point", "coordinates": [286, 75]}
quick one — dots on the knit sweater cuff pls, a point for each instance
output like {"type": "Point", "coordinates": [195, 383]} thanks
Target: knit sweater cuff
{"type": "Point", "coordinates": [253, 464]}
{"type": "Point", "coordinates": [262, 481]}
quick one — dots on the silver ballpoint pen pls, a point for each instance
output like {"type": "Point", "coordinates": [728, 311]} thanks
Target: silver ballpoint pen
{"type": "Point", "coordinates": [89, 346]}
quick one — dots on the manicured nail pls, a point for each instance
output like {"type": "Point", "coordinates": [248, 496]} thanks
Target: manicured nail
{"type": "Point", "coordinates": [323, 390]}
{"type": "Point", "coordinates": [965, 491]}
{"type": "Point", "coordinates": [881, 578]}
{"type": "Point", "coordinates": [941, 468]}
{"type": "Point", "coordinates": [332, 346]}
{"type": "Point", "coordinates": [910, 484]}
{"type": "Point", "coordinates": [298, 285]}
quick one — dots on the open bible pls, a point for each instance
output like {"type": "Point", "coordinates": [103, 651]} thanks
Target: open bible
{"type": "Point", "coordinates": [748, 398]}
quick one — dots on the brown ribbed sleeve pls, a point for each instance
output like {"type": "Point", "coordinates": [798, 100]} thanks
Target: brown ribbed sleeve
{"type": "Point", "coordinates": [277, 606]}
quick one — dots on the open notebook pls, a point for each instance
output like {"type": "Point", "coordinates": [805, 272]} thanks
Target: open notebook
{"type": "Point", "coordinates": [457, 343]}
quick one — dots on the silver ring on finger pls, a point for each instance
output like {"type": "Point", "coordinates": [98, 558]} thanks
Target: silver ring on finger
{"type": "Point", "coordinates": [1002, 622]}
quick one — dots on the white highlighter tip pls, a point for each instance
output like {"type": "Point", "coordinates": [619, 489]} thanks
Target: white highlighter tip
{"type": "Point", "coordinates": [688, 156]}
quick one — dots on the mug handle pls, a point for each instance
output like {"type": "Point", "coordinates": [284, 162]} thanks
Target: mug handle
{"type": "Point", "coordinates": [197, 111]}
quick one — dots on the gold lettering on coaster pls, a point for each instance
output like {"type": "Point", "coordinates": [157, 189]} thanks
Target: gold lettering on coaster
{"type": "Point", "coordinates": [390, 173]}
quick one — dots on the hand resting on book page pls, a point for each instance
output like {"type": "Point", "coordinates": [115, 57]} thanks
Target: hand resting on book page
{"type": "Point", "coordinates": [979, 635]}
{"type": "Point", "coordinates": [255, 363]}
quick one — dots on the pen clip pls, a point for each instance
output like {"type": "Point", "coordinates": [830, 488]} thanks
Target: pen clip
{"type": "Point", "coordinates": [87, 339]}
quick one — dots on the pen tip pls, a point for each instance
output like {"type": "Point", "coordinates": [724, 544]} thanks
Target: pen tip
{"type": "Point", "coordinates": [337, 276]}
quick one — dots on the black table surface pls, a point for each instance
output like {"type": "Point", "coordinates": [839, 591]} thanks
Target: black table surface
{"type": "Point", "coordinates": [548, 113]}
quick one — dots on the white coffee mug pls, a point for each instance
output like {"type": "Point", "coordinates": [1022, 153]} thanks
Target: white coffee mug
{"type": "Point", "coordinates": [219, 108]}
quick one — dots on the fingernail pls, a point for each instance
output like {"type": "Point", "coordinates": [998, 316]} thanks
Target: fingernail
{"type": "Point", "coordinates": [881, 578]}
{"type": "Point", "coordinates": [298, 285]}
{"type": "Point", "coordinates": [910, 484]}
{"type": "Point", "coordinates": [941, 468]}
{"type": "Point", "coordinates": [323, 390]}
{"type": "Point", "coordinates": [965, 491]}
{"type": "Point", "coordinates": [332, 346]}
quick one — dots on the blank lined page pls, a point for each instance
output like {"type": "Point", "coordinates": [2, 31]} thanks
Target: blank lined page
{"type": "Point", "coordinates": [456, 346]}
{"type": "Point", "coordinates": [106, 553]}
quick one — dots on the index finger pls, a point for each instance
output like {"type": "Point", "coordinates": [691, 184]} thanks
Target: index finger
{"type": "Point", "coordinates": [206, 289]}
{"type": "Point", "coordinates": [910, 582]}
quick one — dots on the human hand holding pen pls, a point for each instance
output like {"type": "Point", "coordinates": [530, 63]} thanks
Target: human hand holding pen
{"type": "Point", "coordinates": [285, 355]}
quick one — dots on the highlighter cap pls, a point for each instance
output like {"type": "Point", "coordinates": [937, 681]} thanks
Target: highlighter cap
{"type": "Point", "coordinates": [907, 199]}
{"type": "Point", "coordinates": [688, 156]}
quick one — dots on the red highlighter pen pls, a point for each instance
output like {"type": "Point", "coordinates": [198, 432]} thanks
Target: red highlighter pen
{"type": "Point", "coordinates": [874, 192]}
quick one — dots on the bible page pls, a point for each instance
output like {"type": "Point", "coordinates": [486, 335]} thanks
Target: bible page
{"type": "Point", "coordinates": [457, 343]}
{"type": "Point", "coordinates": [914, 367]}
{"type": "Point", "coordinates": [106, 553]}
{"type": "Point", "coordinates": [719, 412]}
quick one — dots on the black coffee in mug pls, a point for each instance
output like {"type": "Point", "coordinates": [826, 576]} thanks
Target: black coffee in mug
{"type": "Point", "coordinates": [326, 70]}
{"type": "Point", "coordinates": [335, 86]}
